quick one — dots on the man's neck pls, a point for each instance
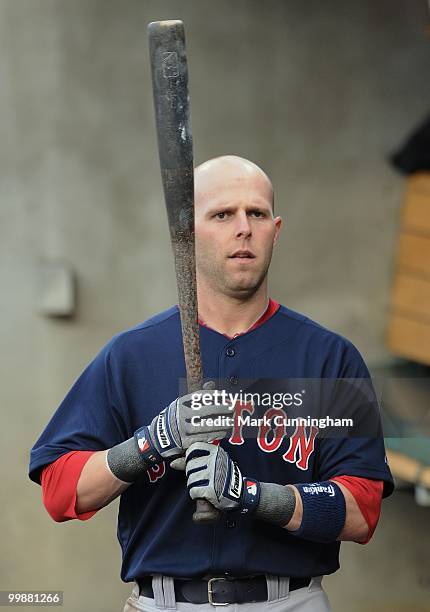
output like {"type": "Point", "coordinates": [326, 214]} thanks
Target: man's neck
{"type": "Point", "coordinates": [230, 316]}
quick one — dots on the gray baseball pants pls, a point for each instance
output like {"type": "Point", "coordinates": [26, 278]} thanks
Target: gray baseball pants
{"type": "Point", "coordinates": [308, 599]}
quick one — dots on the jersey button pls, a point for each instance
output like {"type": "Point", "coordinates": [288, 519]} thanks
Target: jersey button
{"type": "Point", "coordinates": [233, 380]}
{"type": "Point", "coordinates": [230, 352]}
{"type": "Point", "coordinates": [230, 524]}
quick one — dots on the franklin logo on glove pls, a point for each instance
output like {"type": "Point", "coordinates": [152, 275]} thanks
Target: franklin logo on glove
{"type": "Point", "coordinates": [162, 433]}
{"type": "Point", "coordinates": [235, 488]}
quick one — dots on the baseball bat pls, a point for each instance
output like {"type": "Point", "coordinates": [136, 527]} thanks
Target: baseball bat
{"type": "Point", "coordinates": [175, 147]}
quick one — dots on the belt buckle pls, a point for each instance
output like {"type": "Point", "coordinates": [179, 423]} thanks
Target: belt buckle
{"type": "Point", "coordinates": [210, 592]}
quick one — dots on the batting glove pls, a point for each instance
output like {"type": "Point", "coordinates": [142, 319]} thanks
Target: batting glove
{"type": "Point", "coordinates": [213, 476]}
{"type": "Point", "coordinates": [202, 416]}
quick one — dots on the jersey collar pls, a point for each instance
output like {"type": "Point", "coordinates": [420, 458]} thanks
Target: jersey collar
{"type": "Point", "coordinates": [271, 309]}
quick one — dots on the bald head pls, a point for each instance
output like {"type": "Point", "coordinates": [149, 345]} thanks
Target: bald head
{"type": "Point", "coordinates": [219, 172]}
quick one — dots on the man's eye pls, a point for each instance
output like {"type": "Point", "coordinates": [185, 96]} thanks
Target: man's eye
{"type": "Point", "coordinates": [221, 215]}
{"type": "Point", "coordinates": [257, 213]}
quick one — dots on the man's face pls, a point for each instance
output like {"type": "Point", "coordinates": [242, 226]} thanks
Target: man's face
{"type": "Point", "coordinates": [235, 229]}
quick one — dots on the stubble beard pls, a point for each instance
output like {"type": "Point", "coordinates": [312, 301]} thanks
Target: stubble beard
{"type": "Point", "coordinates": [235, 285]}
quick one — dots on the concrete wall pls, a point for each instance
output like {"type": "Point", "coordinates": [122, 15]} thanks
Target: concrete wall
{"type": "Point", "coordinates": [317, 93]}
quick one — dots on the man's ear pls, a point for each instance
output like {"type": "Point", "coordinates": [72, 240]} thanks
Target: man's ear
{"type": "Point", "coordinates": [278, 224]}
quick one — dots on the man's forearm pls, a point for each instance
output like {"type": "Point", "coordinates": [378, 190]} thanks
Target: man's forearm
{"type": "Point", "coordinates": [97, 486]}
{"type": "Point", "coordinates": [355, 528]}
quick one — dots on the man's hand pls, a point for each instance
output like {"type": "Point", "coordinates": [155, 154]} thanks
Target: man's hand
{"type": "Point", "coordinates": [213, 476]}
{"type": "Point", "coordinates": [202, 416]}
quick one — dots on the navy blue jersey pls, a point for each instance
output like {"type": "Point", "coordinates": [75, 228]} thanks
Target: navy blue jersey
{"type": "Point", "coordinates": [140, 371]}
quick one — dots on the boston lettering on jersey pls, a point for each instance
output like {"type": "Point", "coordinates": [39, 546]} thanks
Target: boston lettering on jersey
{"type": "Point", "coordinates": [140, 371]}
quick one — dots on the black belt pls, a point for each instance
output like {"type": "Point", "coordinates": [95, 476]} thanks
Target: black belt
{"type": "Point", "coordinates": [220, 590]}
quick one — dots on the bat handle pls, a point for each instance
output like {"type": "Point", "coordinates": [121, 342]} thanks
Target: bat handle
{"type": "Point", "coordinates": [205, 512]}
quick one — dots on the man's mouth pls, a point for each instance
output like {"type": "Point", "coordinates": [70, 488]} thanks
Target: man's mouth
{"type": "Point", "coordinates": [242, 255]}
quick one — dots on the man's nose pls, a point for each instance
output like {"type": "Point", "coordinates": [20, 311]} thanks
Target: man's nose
{"type": "Point", "coordinates": [243, 229]}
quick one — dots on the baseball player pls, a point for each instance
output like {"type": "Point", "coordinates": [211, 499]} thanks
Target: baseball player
{"type": "Point", "coordinates": [286, 496]}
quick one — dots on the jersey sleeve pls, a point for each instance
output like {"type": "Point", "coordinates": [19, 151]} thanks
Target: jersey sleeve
{"type": "Point", "coordinates": [368, 495]}
{"type": "Point", "coordinates": [59, 486]}
{"type": "Point", "coordinates": [91, 416]}
{"type": "Point", "coordinates": [359, 449]}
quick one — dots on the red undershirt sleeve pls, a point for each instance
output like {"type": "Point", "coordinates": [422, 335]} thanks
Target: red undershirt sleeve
{"type": "Point", "coordinates": [59, 482]}
{"type": "Point", "coordinates": [368, 495]}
